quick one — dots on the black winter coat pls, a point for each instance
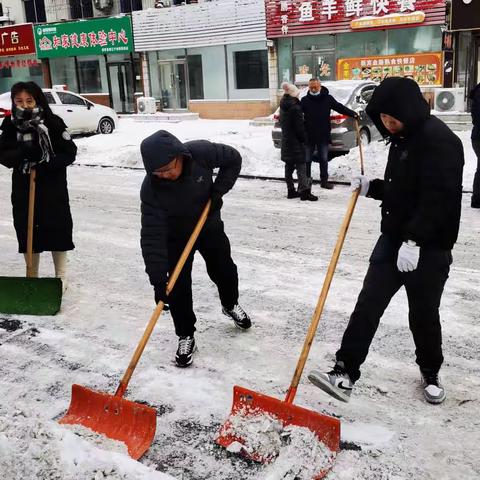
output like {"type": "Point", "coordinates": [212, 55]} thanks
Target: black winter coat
{"type": "Point", "coordinates": [293, 130]}
{"type": "Point", "coordinates": [52, 218]}
{"type": "Point", "coordinates": [316, 109]}
{"type": "Point", "coordinates": [421, 192]}
{"type": "Point", "coordinates": [475, 97]}
{"type": "Point", "coordinates": [171, 209]}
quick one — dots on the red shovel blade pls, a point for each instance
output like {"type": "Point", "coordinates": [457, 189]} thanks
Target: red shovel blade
{"type": "Point", "coordinates": [131, 423]}
{"type": "Point", "coordinates": [249, 403]}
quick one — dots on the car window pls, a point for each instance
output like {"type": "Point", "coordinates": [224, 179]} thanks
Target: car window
{"type": "Point", "coordinates": [366, 94]}
{"type": "Point", "coordinates": [69, 99]}
{"type": "Point", "coordinates": [49, 97]}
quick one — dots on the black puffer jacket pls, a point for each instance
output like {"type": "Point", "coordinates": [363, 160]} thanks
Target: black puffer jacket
{"type": "Point", "coordinates": [475, 97]}
{"type": "Point", "coordinates": [52, 219]}
{"type": "Point", "coordinates": [422, 189]}
{"type": "Point", "coordinates": [171, 209]}
{"type": "Point", "coordinates": [293, 130]}
{"type": "Point", "coordinates": [316, 109]}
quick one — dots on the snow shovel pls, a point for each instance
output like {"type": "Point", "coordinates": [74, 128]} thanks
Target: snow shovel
{"type": "Point", "coordinates": [249, 403]}
{"type": "Point", "coordinates": [111, 415]}
{"type": "Point", "coordinates": [30, 296]}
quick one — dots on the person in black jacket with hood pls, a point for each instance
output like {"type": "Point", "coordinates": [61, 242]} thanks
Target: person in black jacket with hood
{"type": "Point", "coordinates": [293, 143]}
{"type": "Point", "coordinates": [34, 138]}
{"type": "Point", "coordinates": [316, 106]}
{"type": "Point", "coordinates": [421, 196]}
{"type": "Point", "coordinates": [174, 192]}
{"type": "Point", "coordinates": [475, 98]}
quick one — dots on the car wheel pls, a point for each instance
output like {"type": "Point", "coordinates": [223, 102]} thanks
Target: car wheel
{"type": "Point", "coordinates": [106, 125]}
{"type": "Point", "coordinates": [364, 136]}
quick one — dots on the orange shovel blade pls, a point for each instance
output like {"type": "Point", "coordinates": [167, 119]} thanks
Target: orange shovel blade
{"type": "Point", "coordinates": [248, 402]}
{"type": "Point", "coordinates": [131, 423]}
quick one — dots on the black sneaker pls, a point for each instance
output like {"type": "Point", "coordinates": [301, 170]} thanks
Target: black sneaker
{"type": "Point", "coordinates": [239, 316]}
{"type": "Point", "coordinates": [307, 195]}
{"type": "Point", "coordinates": [186, 349]}
{"type": "Point", "coordinates": [336, 383]}
{"type": "Point", "coordinates": [433, 390]}
{"type": "Point", "coordinates": [326, 184]}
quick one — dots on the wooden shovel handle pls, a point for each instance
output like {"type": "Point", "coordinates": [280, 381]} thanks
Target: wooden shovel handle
{"type": "Point", "coordinates": [292, 391]}
{"type": "Point", "coordinates": [31, 212]}
{"type": "Point", "coordinates": [158, 310]}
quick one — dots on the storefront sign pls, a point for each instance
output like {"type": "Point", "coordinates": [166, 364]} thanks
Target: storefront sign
{"type": "Point", "coordinates": [92, 37]}
{"type": "Point", "coordinates": [388, 20]}
{"type": "Point", "coordinates": [300, 17]}
{"type": "Point", "coordinates": [17, 40]}
{"type": "Point", "coordinates": [424, 68]}
{"type": "Point", "coordinates": [465, 15]}
{"type": "Point", "coordinates": [19, 63]}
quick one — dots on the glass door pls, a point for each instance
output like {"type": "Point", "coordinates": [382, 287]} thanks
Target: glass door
{"type": "Point", "coordinates": [173, 84]}
{"type": "Point", "coordinates": [316, 64]}
{"type": "Point", "coordinates": [121, 87]}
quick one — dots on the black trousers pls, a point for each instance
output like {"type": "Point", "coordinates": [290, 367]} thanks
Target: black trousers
{"type": "Point", "coordinates": [476, 179]}
{"type": "Point", "coordinates": [424, 287]}
{"type": "Point", "coordinates": [214, 247]}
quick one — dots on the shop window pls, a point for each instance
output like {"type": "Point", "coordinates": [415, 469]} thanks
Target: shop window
{"type": "Point", "coordinates": [69, 99]}
{"type": "Point", "coordinates": [361, 44]}
{"type": "Point", "coordinates": [49, 97]}
{"type": "Point", "coordinates": [284, 60]}
{"type": "Point", "coordinates": [251, 69]}
{"type": "Point", "coordinates": [314, 42]}
{"type": "Point", "coordinates": [195, 76]}
{"type": "Point", "coordinates": [62, 71]}
{"type": "Point", "coordinates": [35, 11]}
{"type": "Point", "coordinates": [6, 72]}
{"type": "Point", "coordinates": [81, 9]}
{"type": "Point", "coordinates": [415, 40]}
{"type": "Point", "coordinates": [35, 71]}
{"type": "Point", "coordinates": [128, 6]}
{"type": "Point", "coordinates": [90, 76]}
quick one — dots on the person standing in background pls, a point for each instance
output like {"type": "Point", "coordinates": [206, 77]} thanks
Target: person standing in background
{"type": "Point", "coordinates": [475, 98]}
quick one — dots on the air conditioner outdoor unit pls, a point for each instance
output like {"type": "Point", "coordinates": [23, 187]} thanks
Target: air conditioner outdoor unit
{"type": "Point", "coordinates": [449, 100]}
{"type": "Point", "coordinates": [146, 105]}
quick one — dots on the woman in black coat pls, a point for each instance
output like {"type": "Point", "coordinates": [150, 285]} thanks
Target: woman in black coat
{"type": "Point", "coordinates": [475, 97]}
{"type": "Point", "coordinates": [293, 143]}
{"type": "Point", "coordinates": [34, 138]}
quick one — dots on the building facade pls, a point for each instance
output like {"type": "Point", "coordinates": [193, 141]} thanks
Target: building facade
{"type": "Point", "coordinates": [358, 39]}
{"type": "Point", "coordinates": [211, 58]}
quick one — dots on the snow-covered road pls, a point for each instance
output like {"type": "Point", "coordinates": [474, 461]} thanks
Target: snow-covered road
{"type": "Point", "coordinates": [282, 248]}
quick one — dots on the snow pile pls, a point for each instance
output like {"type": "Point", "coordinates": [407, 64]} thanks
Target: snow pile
{"type": "Point", "coordinates": [293, 452]}
{"type": "Point", "coordinates": [33, 448]}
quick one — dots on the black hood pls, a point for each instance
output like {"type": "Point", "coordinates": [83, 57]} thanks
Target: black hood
{"type": "Point", "coordinates": [287, 102]}
{"type": "Point", "coordinates": [474, 92]}
{"type": "Point", "coordinates": [161, 148]}
{"type": "Point", "coordinates": [401, 98]}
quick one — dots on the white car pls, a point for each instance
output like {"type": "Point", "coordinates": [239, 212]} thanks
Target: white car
{"type": "Point", "coordinates": [79, 114]}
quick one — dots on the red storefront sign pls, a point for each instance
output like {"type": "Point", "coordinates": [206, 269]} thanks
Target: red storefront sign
{"type": "Point", "coordinates": [300, 17]}
{"type": "Point", "coordinates": [17, 40]}
{"type": "Point", "coordinates": [19, 63]}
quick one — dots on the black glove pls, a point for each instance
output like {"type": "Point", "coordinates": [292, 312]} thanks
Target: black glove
{"type": "Point", "coordinates": [161, 296]}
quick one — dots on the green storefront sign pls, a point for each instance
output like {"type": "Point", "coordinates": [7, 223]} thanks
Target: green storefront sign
{"type": "Point", "coordinates": [91, 37]}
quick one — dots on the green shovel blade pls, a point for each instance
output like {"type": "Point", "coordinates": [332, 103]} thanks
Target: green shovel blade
{"type": "Point", "coordinates": [30, 296]}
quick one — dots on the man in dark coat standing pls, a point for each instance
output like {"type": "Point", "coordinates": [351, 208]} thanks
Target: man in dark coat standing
{"type": "Point", "coordinates": [174, 192]}
{"type": "Point", "coordinates": [293, 143]}
{"type": "Point", "coordinates": [475, 98]}
{"type": "Point", "coordinates": [421, 196]}
{"type": "Point", "coordinates": [316, 106]}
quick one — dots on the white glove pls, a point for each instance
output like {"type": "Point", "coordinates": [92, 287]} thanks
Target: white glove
{"type": "Point", "coordinates": [361, 182]}
{"type": "Point", "coordinates": [408, 255]}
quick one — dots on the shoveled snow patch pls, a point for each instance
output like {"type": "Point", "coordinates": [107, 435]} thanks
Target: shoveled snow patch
{"type": "Point", "coordinates": [34, 448]}
{"type": "Point", "coordinates": [292, 452]}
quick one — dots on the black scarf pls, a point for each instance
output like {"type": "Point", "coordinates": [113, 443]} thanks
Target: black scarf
{"type": "Point", "coordinates": [31, 127]}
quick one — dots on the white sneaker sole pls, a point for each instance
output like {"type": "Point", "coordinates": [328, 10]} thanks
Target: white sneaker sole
{"type": "Point", "coordinates": [434, 401]}
{"type": "Point", "coordinates": [327, 387]}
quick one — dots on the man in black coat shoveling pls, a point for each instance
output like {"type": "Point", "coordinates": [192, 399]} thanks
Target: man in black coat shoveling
{"type": "Point", "coordinates": [316, 106]}
{"type": "Point", "coordinates": [174, 192]}
{"type": "Point", "coordinates": [421, 196]}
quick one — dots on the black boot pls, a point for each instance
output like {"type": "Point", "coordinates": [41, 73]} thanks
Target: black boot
{"type": "Point", "coordinates": [326, 184]}
{"type": "Point", "coordinates": [307, 195]}
{"type": "Point", "coordinates": [293, 194]}
{"type": "Point", "coordinates": [475, 202]}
